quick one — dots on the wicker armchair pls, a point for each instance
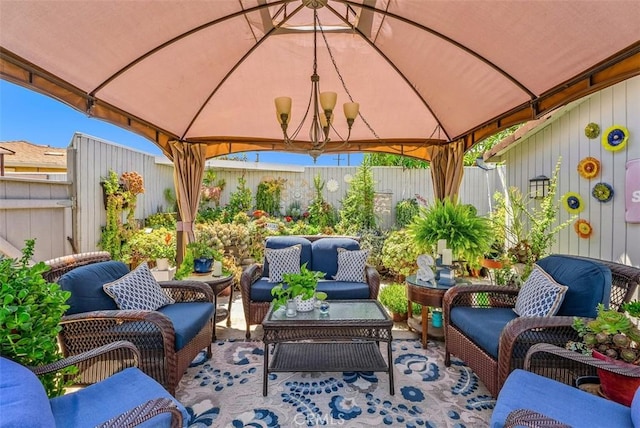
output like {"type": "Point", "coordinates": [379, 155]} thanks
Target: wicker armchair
{"type": "Point", "coordinates": [124, 397]}
{"type": "Point", "coordinates": [521, 333]}
{"type": "Point", "coordinates": [152, 332]}
{"type": "Point", "coordinates": [522, 401]}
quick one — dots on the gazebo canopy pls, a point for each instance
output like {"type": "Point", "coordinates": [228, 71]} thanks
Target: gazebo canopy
{"type": "Point", "coordinates": [424, 72]}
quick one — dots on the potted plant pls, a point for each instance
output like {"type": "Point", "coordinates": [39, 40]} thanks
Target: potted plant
{"type": "Point", "coordinates": [394, 298]}
{"type": "Point", "coordinates": [613, 337]}
{"type": "Point", "coordinates": [30, 316]}
{"type": "Point", "coordinates": [203, 256]}
{"type": "Point", "coordinates": [299, 286]}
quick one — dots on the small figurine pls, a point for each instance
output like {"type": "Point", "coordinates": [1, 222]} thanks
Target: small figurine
{"type": "Point", "coordinates": [425, 271]}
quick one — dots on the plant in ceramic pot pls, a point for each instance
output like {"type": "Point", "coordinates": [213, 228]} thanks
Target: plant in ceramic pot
{"type": "Point", "coordinates": [203, 256]}
{"type": "Point", "coordinates": [300, 287]}
{"type": "Point", "coordinates": [613, 337]}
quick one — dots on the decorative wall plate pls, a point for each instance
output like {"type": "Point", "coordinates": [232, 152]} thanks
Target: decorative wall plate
{"type": "Point", "coordinates": [583, 228]}
{"type": "Point", "coordinates": [589, 167]}
{"type": "Point", "coordinates": [347, 178]}
{"type": "Point", "coordinates": [572, 202]}
{"type": "Point", "coordinates": [602, 192]}
{"type": "Point", "coordinates": [332, 185]}
{"type": "Point", "coordinates": [615, 138]}
{"type": "Point", "coordinates": [592, 130]}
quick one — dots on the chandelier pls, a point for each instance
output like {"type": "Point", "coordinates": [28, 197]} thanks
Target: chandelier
{"type": "Point", "coordinates": [321, 104]}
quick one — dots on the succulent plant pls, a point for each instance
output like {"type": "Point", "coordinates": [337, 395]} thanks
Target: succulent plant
{"type": "Point", "coordinates": [611, 333]}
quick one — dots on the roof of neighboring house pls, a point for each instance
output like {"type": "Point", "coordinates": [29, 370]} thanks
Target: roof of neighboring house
{"type": "Point", "coordinates": [26, 154]}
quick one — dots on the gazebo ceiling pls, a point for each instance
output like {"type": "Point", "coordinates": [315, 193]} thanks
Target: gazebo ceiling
{"type": "Point", "coordinates": [424, 72]}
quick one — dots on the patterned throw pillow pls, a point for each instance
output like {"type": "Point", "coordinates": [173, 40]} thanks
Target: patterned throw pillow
{"type": "Point", "coordinates": [351, 265]}
{"type": "Point", "coordinates": [283, 260]}
{"type": "Point", "coordinates": [540, 296]}
{"type": "Point", "coordinates": [138, 290]}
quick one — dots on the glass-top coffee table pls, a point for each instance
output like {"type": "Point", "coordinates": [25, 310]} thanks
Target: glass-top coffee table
{"type": "Point", "coordinates": [347, 339]}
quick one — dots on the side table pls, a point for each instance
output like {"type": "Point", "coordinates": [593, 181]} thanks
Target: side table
{"type": "Point", "coordinates": [217, 284]}
{"type": "Point", "coordinates": [425, 294]}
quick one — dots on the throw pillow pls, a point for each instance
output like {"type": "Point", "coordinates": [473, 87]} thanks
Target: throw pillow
{"type": "Point", "coordinates": [283, 260]}
{"type": "Point", "coordinates": [138, 290]}
{"type": "Point", "coordinates": [351, 265]}
{"type": "Point", "coordinates": [540, 296]}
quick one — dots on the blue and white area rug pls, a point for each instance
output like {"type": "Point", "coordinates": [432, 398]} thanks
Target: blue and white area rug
{"type": "Point", "coordinates": [226, 391]}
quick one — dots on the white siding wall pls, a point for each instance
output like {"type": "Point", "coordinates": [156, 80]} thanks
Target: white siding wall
{"type": "Point", "coordinates": [613, 238]}
{"type": "Point", "coordinates": [89, 159]}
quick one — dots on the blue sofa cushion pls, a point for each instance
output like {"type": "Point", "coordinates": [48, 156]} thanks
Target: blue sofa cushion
{"type": "Point", "coordinates": [85, 284]}
{"type": "Point", "coordinates": [325, 254]}
{"type": "Point", "coordinates": [589, 284]}
{"type": "Point", "coordinates": [261, 290]}
{"type": "Point", "coordinates": [344, 290]}
{"type": "Point", "coordinates": [115, 395]}
{"type": "Point", "coordinates": [23, 400]}
{"type": "Point", "coordinates": [635, 409]}
{"type": "Point", "coordinates": [483, 325]}
{"type": "Point", "coordinates": [279, 242]}
{"type": "Point", "coordinates": [187, 318]}
{"type": "Point", "coordinates": [558, 401]}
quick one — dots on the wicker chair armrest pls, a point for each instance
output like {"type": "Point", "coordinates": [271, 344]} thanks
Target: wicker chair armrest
{"type": "Point", "coordinates": [463, 295]}
{"type": "Point", "coordinates": [372, 277]}
{"type": "Point", "coordinates": [145, 412]}
{"type": "Point", "coordinates": [161, 321]}
{"type": "Point", "coordinates": [188, 291]}
{"type": "Point", "coordinates": [250, 275]}
{"type": "Point", "coordinates": [61, 265]}
{"type": "Point", "coordinates": [529, 418]}
{"type": "Point", "coordinates": [126, 351]}
{"type": "Point", "coordinates": [629, 370]}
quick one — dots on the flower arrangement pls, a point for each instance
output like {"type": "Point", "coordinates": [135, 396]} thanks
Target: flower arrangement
{"type": "Point", "coordinates": [603, 192]}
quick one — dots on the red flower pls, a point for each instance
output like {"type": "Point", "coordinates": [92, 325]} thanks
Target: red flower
{"type": "Point", "coordinates": [288, 218]}
{"type": "Point", "coordinates": [305, 214]}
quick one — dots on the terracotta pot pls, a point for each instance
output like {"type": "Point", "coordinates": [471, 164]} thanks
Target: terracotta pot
{"type": "Point", "coordinates": [616, 387]}
{"type": "Point", "coordinates": [399, 317]}
{"type": "Point", "coordinates": [491, 264]}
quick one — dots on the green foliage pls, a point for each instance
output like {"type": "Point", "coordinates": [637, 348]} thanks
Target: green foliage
{"type": "Point", "coordinates": [30, 316]}
{"type": "Point", "coordinates": [297, 284]}
{"type": "Point", "coordinates": [225, 237]}
{"type": "Point", "coordinates": [394, 297]}
{"type": "Point", "coordinates": [268, 195]}
{"type": "Point", "coordinates": [321, 213]}
{"type": "Point", "coordinates": [239, 201]}
{"type": "Point", "coordinates": [202, 250]}
{"type": "Point", "coordinates": [171, 199]}
{"type": "Point", "coordinates": [208, 214]}
{"type": "Point", "coordinates": [399, 254]}
{"type": "Point", "coordinates": [211, 188]}
{"type": "Point", "coordinates": [468, 235]}
{"type": "Point", "coordinates": [633, 308]}
{"type": "Point", "coordinates": [373, 240]}
{"type": "Point", "coordinates": [384, 159]}
{"type": "Point", "coordinates": [357, 211]}
{"type": "Point", "coordinates": [406, 210]}
{"type": "Point", "coordinates": [146, 245]}
{"type": "Point", "coordinates": [158, 220]}
{"type": "Point", "coordinates": [479, 148]}
{"type": "Point", "coordinates": [186, 267]}
{"type": "Point", "coordinates": [611, 333]}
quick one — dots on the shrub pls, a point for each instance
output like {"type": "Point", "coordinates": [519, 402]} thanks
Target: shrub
{"type": "Point", "coordinates": [158, 220]}
{"type": "Point", "coordinates": [145, 246]}
{"type": "Point", "coordinates": [406, 210]}
{"type": "Point", "coordinates": [399, 254]}
{"type": "Point", "coordinates": [357, 211]}
{"type": "Point", "coordinates": [30, 316]}
{"type": "Point", "coordinates": [394, 298]}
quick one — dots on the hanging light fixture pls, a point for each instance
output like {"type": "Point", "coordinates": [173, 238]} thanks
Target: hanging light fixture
{"type": "Point", "coordinates": [321, 103]}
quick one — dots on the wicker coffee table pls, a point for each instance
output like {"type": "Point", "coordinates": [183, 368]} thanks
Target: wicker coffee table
{"type": "Point", "coordinates": [347, 339]}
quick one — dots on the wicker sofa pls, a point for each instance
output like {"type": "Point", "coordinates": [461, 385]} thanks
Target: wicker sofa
{"type": "Point", "coordinates": [168, 338]}
{"type": "Point", "coordinates": [321, 254]}
{"type": "Point", "coordinates": [482, 329]}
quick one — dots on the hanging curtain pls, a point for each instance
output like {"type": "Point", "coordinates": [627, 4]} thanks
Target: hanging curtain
{"type": "Point", "coordinates": [447, 163]}
{"type": "Point", "coordinates": [188, 160]}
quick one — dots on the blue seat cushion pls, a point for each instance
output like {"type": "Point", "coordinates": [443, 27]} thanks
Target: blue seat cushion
{"type": "Point", "coordinates": [85, 284]}
{"type": "Point", "coordinates": [279, 242]}
{"type": "Point", "coordinates": [589, 283]}
{"type": "Point", "coordinates": [344, 290]}
{"type": "Point", "coordinates": [187, 318]}
{"type": "Point", "coordinates": [482, 325]}
{"type": "Point", "coordinates": [261, 290]}
{"type": "Point", "coordinates": [556, 400]}
{"type": "Point", "coordinates": [23, 400]}
{"type": "Point", "coordinates": [325, 254]}
{"type": "Point", "coordinates": [111, 397]}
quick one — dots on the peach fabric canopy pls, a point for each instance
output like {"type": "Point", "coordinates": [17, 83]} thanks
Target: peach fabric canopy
{"type": "Point", "coordinates": [425, 72]}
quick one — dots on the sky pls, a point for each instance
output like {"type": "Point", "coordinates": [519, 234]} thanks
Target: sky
{"type": "Point", "coordinates": [29, 116]}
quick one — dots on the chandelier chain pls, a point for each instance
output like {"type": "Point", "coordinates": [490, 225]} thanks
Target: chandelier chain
{"type": "Point", "coordinates": [344, 85]}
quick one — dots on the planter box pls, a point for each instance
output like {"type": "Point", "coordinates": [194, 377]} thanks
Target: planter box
{"type": "Point", "coordinates": [163, 275]}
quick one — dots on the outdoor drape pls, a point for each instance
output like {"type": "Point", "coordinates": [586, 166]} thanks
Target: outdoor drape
{"type": "Point", "coordinates": [447, 163]}
{"type": "Point", "coordinates": [188, 160]}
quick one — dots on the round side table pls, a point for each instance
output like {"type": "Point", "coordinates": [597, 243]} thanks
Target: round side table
{"type": "Point", "coordinates": [425, 294]}
{"type": "Point", "coordinates": [218, 284]}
